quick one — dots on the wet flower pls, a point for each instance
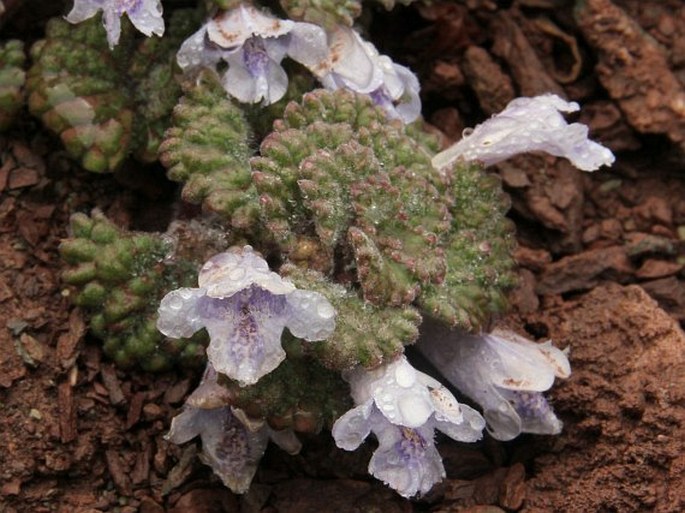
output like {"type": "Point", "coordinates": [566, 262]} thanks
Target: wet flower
{"type": "Point", "coordinates": [253, 44]}
{"type": "Point", "coordinates": [504, 373]}
{"type": "Point", "coordinates": [232, 444]}
{"type": "Point", "coordinates": [245, 307]}
{"type": "Point", "coordinates": [525, 125]}
{"type": "Point", "coordinates": [355, 64]}
{"type": "Point", "coordinates": [146, 16]}
{"type": "Point", "coordinates": [403, 407]}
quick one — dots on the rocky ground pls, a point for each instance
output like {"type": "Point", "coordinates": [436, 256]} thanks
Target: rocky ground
{"type": "Point", "coordinates": [602, 261]}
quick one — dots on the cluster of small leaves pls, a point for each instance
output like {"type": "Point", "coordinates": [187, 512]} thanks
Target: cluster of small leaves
{"type": "Point", "coordinates": [105, 104]}
{"type": "Point", "coordinates": [326, 13]}
{"type": "Point", "coordinates": [12, 78]}
{"type": "Point", "coordinates": [207, 147]}
{"type": "Point", "coordinates": [120, 278]}
{"type": "Point", "coordinates": [224, 4]}
{"type": "Point", "coordinates": [390, 4]}
{"type": "Point", "coordinates": [339, 178]}
{"type": "Point", "coordinates": [365, 334]}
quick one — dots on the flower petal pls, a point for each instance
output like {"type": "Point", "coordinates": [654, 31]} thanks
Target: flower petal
{"type": "Point", "coordinates": [310, 315]}
{"type": "Point", "coordinates": [526, 125]}
{"type": "Point", "coordinates": [178, 314]}
{"type": "Point", "coordinates": [245, 334]}
{"type": "Point", "coordinates": [286, 440]}
{"type": "Point", "coordinates": [84, 9]}
{"type": "Point", "coordinates": [231, 450]}
{"type": "Point", "coordinates": [350, 63]}
{"type": "Point", "coordinates": [397, 390]}
{"type": "Point", "coordinates": [536, 414]}
{"type": "Point", "coordinates": [470, 429]}
{"type": "Point", "coordinates": [307, 44]}
{"type": "Point", "coordinates": [146, 16]}
{"type": "Point", "coordinates": [227, 273]}
{"type": "Point", "coordinates": [503, 423]}
{"type": "Point", "coordinates": [187, 425]}
{"type": "Point", "coordinates": [232, 28]}
{"type": "Point", "coordinates": [112, 22]}
{"type": "Point", "coordinates": [350, 430]}
{"type": "Point", "coordinates": [555, 358]}
{"type": "Point", "coordinates": [406, 459]}
{"type": "Point", "coordinates": [517, 363]}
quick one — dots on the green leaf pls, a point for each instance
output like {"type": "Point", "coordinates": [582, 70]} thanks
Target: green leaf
{"type": "Point", "coordinates": [105, 105]}
{"type": "Point", "coordinates": [119, 279]}
{"type": "Point", "coordinates": [327, 13]}
{"type": "Point", "coordinates": [12, 77]}
{"type": "Point", "coordinates": [207, 148]}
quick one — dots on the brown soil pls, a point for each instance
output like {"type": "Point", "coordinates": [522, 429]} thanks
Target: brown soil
{"type": "Point", "coordinates": [602, 272]}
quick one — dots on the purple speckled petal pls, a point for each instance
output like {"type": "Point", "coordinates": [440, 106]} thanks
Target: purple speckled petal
{"type": "Point", "coordinates": [245, 332]}
{"type": "Point", "coordinates": [537, 416]}
{"type": "Point", "coordinates": [231, 450]}
{"type": "Point", "coordinates": [406, 459]}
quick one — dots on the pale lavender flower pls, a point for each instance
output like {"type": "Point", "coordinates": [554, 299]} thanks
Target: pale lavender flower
{"type": "Point", "coordinates": [232, 444]}
{"type": "Point", "coordinates": [245, 307]}
{"type": "Point", "coordinates": [403, 407]}
{"type": "Point", "coordinates": [146, 16]}
{"type": "Point", "coordinates": [526, 125]}
{"type": "Point", "coordinates": [355, 64]}
{"type": "Point", "coordinates": [504, 373]}
{"type": "Point", "coordinates": [253, 44]}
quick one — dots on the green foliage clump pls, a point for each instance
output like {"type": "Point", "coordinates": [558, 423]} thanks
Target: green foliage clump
{"type": "Point", "coordinates": [105, 104]}
{"type": "Point", "coordinates": [365, 334]}
{"type": "Point", "coordinates": [327, 13]}
{"type": "Point", "coordinates": [360, 193]}
{"type": "Point", "coordinates": [207, 147]}
{"type": "Point", "coordinates": [120, 278]}
{"type": "Point", "coordinates": [286, 397]}
{"type": "Point", "coordinates": [12, 77]}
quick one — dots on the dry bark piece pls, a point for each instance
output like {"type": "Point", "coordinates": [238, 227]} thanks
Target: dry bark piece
{"type": "Point", "coordinates": [634, 70]}
{"type": "Point", "coordinates": [653, 268]}
{"type": "Point", "coordinates": [111, 382]}
{"type": "Point", "coordinates": [204, 500]}
{"type": "Point", "coordinates": [546, 36]}
{"type": "Point", "coordinates": [512, 45]}
{"type": "Point", "coordinates": [67, 412]}
{"type": "Point", "coordinates": [491, 85]}
{"type": "Point", "coordinates": [68, 341]}
{"type": "Point", "coordinates": [118, 473]}
{"type": "Point", "coordinates": [585, 270]}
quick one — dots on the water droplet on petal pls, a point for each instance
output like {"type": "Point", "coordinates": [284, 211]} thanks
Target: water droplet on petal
{"type": "Point", "coordinates": [405, 376]}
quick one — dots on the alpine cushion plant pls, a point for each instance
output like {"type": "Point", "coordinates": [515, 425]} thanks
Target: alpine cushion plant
{"type": "Point", "coordinates": [146, 16]}
{"type": "Point", "coordinates": [370, 232]}
{"type": "Point", "coordinates": [245, 307]}
{"type": "Point", "coordinates": [403, 407]}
